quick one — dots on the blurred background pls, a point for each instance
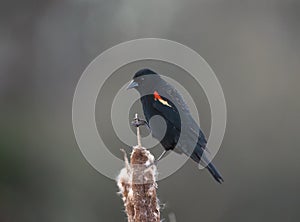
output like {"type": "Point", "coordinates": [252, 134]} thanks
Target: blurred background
{"type": "Point", "coordinates": [253, 47]}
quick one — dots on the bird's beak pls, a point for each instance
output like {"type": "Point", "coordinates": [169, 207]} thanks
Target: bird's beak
{"type": "Point", "coordinates": [132, 84]}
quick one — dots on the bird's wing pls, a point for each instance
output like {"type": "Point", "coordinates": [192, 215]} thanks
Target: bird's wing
{"type": "Point", "coordinates": [177, 112]}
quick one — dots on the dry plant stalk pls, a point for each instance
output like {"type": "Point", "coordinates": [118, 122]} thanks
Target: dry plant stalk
{"type": "Point", "coordinates": [137, 184]}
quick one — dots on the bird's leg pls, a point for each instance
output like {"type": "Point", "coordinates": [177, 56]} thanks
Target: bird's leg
{"type": "Point", "coordinates": [161, 156]}
{"type": "Point", "coordinates": [158, 159]}
{"type": "Point", "coordinates": [147, 124]}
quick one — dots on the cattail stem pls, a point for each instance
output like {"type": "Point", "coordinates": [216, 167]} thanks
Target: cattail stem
{"type": "Point", "coordinates": [137, 184]}
{"type": "Point", "coordinates": [138, 130]}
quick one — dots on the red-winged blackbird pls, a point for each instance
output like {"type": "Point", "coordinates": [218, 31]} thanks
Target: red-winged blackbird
{"type": "Point", "coordinates": [180, 132]}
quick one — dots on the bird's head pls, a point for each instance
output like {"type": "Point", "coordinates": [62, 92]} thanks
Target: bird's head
{"type": "Point", "coordinates": [144, 81]}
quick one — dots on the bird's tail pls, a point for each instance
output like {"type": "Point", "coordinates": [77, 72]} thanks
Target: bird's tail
{"type": "Point", "coordinates": [199, 156]}
{"type": "Point", "coordinates": [215, 173]}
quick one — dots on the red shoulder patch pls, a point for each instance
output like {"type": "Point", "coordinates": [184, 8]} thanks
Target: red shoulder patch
{"type": "Point", "coordinates": [156, 95]}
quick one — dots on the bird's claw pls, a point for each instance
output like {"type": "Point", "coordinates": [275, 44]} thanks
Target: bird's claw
{"type": "Point", "coordinates": [139, 122]}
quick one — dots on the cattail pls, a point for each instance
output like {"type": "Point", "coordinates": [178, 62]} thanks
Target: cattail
{"type": "Point", "coordinates": [137, 184]}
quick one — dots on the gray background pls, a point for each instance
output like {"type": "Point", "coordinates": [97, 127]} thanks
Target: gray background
{"type": "Point", "coordinates": [253, 47]}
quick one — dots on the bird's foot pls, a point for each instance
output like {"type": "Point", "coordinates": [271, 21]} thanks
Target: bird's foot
{"type": "Point", "coordinates": [140, 122]}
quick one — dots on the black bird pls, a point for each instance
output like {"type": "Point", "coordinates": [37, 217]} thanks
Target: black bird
{"type": "Point", "coordinates": [181, 133]}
